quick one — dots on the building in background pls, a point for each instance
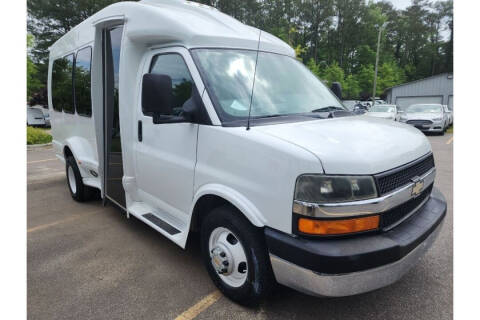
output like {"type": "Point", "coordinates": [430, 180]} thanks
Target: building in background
{"type": "Point", "coordinates": [435, 89]}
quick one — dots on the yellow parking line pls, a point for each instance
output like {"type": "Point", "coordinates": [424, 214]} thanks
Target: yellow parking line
{"type": "Point", "coordinates": [48, 225]}
{"type": "Point", "coordinates": [42, 160]}
{"type": "Point", "coordinates": [450, 140]}
{"type": "Point", "coordinates": [200, 306]}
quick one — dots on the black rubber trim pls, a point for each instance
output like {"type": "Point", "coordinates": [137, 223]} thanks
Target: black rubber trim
{"type": "Point", "coordinates": [360, 252]}
{"type": "Point", "coordinates": [161, 224]}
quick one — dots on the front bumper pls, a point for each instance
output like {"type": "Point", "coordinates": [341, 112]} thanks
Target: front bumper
{"type": "Point", "coordinates": [348, 266]}
{"type": "Point", "coordinates": [434, 127]}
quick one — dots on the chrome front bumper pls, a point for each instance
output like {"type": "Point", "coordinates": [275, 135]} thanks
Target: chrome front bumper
{"type": "Point", "coordinates": [339, 285]}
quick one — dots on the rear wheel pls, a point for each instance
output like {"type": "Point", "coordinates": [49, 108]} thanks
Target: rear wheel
{"type": "Point", "coordinates": [78, 190]}
{"type": "Point", "coordinates": [236, 256]}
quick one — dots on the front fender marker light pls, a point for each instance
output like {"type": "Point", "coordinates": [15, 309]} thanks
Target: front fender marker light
{"type": "Point", "coordinates": [343, 226]}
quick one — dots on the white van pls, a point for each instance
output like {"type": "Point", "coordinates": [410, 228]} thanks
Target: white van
{"type": "Point", "coordinates": [189, 120]}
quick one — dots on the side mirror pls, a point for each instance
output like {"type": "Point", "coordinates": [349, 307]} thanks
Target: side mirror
{"type": "Point", "coordinates": [337, 89]}
{"type": "Point", "coordinates": [156, 94]}
{"type": "Point", "coordinates": [193, 109]}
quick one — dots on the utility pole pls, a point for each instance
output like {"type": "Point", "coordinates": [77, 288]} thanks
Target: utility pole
{"type": "Point", "coordinates": [376, 62]}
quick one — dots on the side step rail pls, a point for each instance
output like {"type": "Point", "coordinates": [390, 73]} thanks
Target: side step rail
{"type": "Point", "coordinates": [171, 230]}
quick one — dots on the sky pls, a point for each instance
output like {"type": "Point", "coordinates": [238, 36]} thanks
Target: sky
{"type": "Point", "coordinates": [402, 4]}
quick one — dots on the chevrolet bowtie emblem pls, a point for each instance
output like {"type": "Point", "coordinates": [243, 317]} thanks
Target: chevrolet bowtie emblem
{"type": "Point", "coordinates": [417, 186]}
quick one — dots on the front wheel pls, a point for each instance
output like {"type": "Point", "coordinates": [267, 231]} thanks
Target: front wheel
{"type": "Point", "coordinates": [236, 257]}
{"type": "Point", "coordinates": [78, 190]}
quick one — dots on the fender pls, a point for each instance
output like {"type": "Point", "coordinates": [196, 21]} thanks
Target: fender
{"type": "Point", "coordinates": [83, 154]}
{"type": "Point", "coordinates": [245, 206]}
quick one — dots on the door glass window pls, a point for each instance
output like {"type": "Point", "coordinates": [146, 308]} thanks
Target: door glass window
{"type": "Point", "coordinates": [114, 160]}
{"type": "Point", "coordinates": [62, 84]}
{"type": "Point", "coordinates": [174, 66]}
{"type": "Point", "coordinates": [83, 99]}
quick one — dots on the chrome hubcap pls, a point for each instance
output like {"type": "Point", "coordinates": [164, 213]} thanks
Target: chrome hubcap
{"type": "Point", "coordinates": [71, 180]}
{"type": "Point", "coordinates": [228, 257]}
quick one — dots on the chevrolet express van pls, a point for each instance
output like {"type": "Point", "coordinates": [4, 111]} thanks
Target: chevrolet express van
{"type": "Point", "coordinates": [191, 121]}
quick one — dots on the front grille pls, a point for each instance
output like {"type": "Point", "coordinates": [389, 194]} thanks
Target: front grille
{"type": "Point", "coordinates": [419, 122]}
{"type": "Point", "coordinates": [396, 178]}
{"type": "Point", "coordinates": [392, 216]}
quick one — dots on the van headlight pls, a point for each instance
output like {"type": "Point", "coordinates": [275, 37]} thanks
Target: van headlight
{"type": "Point", "coordinates": [437, 119]}
{"type": "Point", "coordinates": [331, 189]}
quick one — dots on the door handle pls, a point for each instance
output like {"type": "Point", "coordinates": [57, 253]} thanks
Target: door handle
{"type": "Point", "coordinates": [140, 133]}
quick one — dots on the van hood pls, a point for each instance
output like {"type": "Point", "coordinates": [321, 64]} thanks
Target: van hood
{"type": "Point", "coordinates": [354, 145]}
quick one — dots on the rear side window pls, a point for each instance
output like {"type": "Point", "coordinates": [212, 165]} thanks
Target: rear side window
{"type": "Point", "coordinates": [83, 98]}
{"type": "Point", "coordinates": [62, 84]}
{"type": "Point", "coordinates": [174, 66]}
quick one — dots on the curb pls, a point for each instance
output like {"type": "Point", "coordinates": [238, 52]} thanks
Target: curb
{"type": "Point", "coordinates": [33, 146]}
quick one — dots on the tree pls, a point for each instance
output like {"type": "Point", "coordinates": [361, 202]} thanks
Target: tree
{"type": "Point", "coordinates": [33, 83]}
{"type": "Point", "coordinates": [365, 80]}
{"type": "Point", "coordinates": [333, 73]}
{"type": "Point", "coordinates": [389, 75]}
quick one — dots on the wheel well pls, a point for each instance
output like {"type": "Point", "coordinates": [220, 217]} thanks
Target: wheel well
{"type": "Point", "coordinates": [204, 205]}
{"type": "Point", "coordinates": [67, 152]}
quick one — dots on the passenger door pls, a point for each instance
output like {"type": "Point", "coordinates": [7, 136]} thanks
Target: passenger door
{"type": "Point", "coordinates": [114, 191]}
{"type": "Point", "coordinates": [166, 152]}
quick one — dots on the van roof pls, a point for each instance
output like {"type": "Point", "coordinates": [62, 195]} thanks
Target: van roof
{"type": "Point", "coordinates": [175, 22]}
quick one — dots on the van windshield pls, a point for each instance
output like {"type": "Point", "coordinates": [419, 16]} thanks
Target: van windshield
{"type": "Point", "coordinates": [283, 86]}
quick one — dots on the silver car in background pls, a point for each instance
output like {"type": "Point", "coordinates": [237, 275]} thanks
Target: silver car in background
{"type": "Point", "coordinates": [384, 111]}
{"type": "Point", "coordinates": [426, 117]}
{"type": "Point", "coordinates": [449, 114]}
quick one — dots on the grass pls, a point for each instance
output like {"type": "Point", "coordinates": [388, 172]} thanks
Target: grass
{"type": "Point", "coordinates": [450, 130]}
{"type": "Point", "coordinates": [37, 136]}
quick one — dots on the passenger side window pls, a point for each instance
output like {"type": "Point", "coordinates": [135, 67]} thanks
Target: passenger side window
{"type": "Point", "coordinates": [62, 84]}
{"type": "Point", "coordinates": [174, 66]}
{"type": "Point", "coordinates": [83, 98]}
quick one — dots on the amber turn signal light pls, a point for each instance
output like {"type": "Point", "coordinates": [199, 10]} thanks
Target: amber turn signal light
{"type": "Point", "coordinates": [332, 227]}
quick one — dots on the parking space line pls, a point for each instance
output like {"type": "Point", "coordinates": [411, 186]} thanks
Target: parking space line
{"type": "Point", "coordinates": [74, 217]}
{"type": "Point", "coordinates": [450, 140]}
{"type": "Point", "coordinates": [200, 306]}
{"type": "Point", "coordinates": [44, 160]}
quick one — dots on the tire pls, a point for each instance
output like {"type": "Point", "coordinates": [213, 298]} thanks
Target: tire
{"type": "Point", "coordinates": [258, 279]}
{"type": "Point", "coordinates": [78, 190]}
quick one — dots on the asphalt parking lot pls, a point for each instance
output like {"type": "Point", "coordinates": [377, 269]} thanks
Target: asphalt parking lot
{"type": "Point", "coordinates": [86, 261]}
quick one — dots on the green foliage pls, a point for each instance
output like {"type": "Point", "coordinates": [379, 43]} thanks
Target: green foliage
{"type": "Point", "coordinates": [37, 136]}
{"type": "Point", "coordinates": [333, 73]}
{"type": "Point", "coordinates": [365, 79]}
{"type": "Point", "coordinates": [315, 68]}
{"type": "Point", "coordinates": [389, 75]}
{"type": "Point", "coordinates": [351, 87]}
{"type": "Point", "coordinates": [33, 83]}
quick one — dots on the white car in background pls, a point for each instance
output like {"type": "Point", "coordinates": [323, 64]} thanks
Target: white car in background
{"type": "Point", "coordinates": [449, 114]}
{"type": "Point", "coordinates": [35, 117]}
{"type": "Point", "coordinates": [384, 111]}
{"type": "Point", "coordinates": [350, 104]}
{"type": "Point", "coordinates": [426, 117]}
